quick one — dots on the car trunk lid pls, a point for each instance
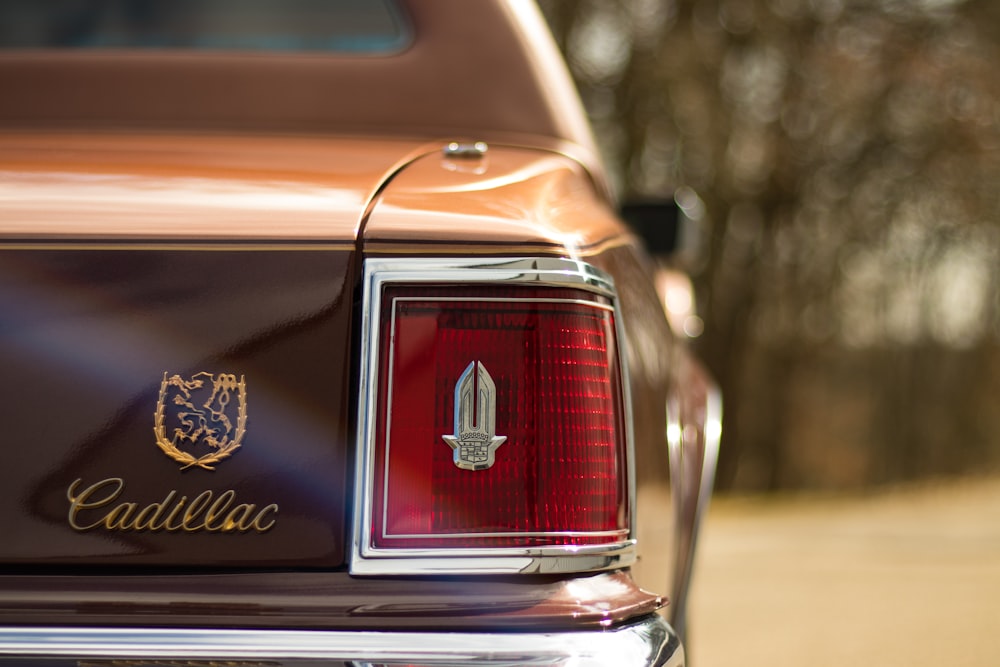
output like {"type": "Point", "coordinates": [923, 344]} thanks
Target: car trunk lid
{"type": "Point", "coordinates": [175, 335]}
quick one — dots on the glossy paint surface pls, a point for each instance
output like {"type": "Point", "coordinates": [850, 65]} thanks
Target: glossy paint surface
{"type": "Point", "coordinates": [510, 200]}
{"type": "Point", "coordinates": [485, 70]}
{"type": "Point", "coordinates": [125, 259]}
{"type": "Point", "coordinates": [88, 336]}
{"type": "Point", "coordinates": [211, 238]}
{"type": "Point", "coordinates": [322, 600]}
{"type": "Point", "coordinates": [189, 187]}
{"type": "Point", "coordinates": [95, 312]}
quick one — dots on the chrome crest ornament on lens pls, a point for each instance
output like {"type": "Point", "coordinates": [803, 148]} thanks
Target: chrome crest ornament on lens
{"type": "Point", "coordinates": [474, 442]}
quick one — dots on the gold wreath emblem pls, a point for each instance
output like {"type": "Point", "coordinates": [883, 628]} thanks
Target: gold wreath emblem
{"type": "Point", "coordinates": [201, 422]}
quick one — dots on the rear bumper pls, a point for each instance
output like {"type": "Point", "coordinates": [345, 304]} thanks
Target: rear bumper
{"type": "Point", "coordinates": [647, 643]}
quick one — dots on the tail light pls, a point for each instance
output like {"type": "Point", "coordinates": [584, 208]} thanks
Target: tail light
{"type": "Point", "coordinates": [493, 428]}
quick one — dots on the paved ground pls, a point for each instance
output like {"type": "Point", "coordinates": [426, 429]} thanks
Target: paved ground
{"type": "Point", "coordinates": [909, 577]}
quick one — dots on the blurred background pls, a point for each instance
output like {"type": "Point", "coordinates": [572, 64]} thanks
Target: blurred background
{"type": "Point", "coordinates": [848, 156]}
{"type": "Point", "coordinates": [846, 159]}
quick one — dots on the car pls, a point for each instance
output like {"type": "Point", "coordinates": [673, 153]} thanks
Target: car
{"type": "Point", "coordinates": [323, 342]}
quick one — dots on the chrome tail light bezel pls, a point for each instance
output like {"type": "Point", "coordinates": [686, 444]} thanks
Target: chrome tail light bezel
{"type": "Point", "coordinates": [365, 559]}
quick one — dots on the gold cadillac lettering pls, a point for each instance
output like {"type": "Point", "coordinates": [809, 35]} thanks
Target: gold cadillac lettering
{"type": "Point", "coordinates": [205, 411]}
{"type": "Point", "coordinates": [96, 506]}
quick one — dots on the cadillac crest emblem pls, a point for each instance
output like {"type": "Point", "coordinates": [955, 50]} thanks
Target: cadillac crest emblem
{"type": "Point", "coordinates": [474, 442]}
{"type": "Point", "coordinates": [201, 420]}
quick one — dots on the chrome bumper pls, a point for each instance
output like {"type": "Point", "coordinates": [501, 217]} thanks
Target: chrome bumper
{"type": "Point", "coordinates": [647, 643]}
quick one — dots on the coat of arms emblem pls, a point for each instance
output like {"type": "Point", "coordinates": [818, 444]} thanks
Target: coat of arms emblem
{"type": "Point", "coordinates": [202, 419]}
{"type": "Point", "coordinates": [474, 442]}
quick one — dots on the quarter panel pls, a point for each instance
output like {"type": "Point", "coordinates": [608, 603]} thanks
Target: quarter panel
{"type": "Point", "coordinates": [509, 201]}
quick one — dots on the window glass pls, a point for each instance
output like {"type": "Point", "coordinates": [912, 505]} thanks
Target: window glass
{"type": "Point", "coordinates": [345, 26]}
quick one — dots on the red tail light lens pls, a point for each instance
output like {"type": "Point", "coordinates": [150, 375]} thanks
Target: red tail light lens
{"type": "Point", "coordinates": [541, 371]}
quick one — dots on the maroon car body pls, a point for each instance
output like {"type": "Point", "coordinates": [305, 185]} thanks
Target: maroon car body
{"type": "Point", "coordinates": [229, 284]}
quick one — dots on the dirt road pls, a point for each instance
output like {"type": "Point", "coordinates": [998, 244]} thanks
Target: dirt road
{"type": "Point", "coordinates": [909, 578]}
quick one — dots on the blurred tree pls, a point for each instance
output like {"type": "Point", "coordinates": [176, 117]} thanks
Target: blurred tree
{"type": "Point", "coordinates": [848, 152]}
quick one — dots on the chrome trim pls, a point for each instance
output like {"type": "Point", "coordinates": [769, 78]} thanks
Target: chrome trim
{"type": "Point", "coordinates": [692, 469]}
{"type": "Point", "coordinates": [649, 643]}
{"type": "Point", "coordinates": [540, 533]}
{"type": "Point", "coordinates": [465, 150]}
{"type": "Point", "coordinates": [547, 560]}
{"type": "Point", "coordinates": [550, 272]}
{"type": "Point", "coordinates": [471, 424]}
{"type": "Point", "coordinates": [489, 299]}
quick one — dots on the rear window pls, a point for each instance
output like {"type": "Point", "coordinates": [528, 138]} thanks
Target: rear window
{"type": "Point", "coordinates": [339, 26]}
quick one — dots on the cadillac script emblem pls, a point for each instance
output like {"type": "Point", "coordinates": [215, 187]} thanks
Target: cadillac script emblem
{"type": "Point", "coordinates": [474, 442]}
{"type": "Point", "coordinates": [200, 420]}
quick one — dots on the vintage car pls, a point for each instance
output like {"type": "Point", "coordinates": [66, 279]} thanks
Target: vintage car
{"type": "Point", "coordinates": [321, 342]}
